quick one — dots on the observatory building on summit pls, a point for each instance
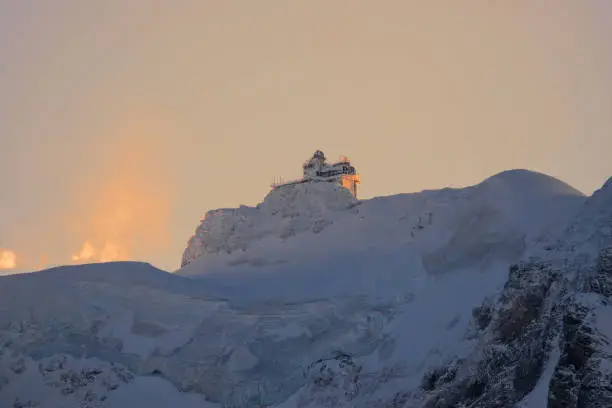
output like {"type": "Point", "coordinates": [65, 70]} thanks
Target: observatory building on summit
{"type": "Point", "coordinates": [317, 170]}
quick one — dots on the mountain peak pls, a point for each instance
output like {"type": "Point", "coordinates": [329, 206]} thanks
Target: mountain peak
{"type": "Point", "coordinates": [523, 180]}
{"type": "Point", "coordinates": [285, 211]}
{"type": "Point", "coordinates": [319, 219]}
{"type": "Point", "coordinates": [428, 293]}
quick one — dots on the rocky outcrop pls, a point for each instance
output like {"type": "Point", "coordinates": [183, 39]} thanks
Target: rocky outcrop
{"type": "Point", "coordinates": [285, 212]}
{"type": "Point", "coordinates": [559, 300]}
{"type": "Point", "coordinates": [583, 376]}
{"type": "Point", "coordinates": [333, 381]}
{"type": "Point", "coordinates": [517, 335]}
{"type": "Point", "coordinates": [83, 383]}
{"type": "Point", "coordinates": [493, 221]}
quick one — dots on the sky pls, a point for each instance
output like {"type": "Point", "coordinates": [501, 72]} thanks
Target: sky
{"type": "Point", "coordinates": [123, 122]}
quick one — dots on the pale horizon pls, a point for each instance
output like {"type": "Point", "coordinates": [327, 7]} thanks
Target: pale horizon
{"type": "Point", "coordinates": [123, 123]}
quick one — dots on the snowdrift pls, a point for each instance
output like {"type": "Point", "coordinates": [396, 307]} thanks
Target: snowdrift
{"type": "Point", "coordinates": [314, 299]}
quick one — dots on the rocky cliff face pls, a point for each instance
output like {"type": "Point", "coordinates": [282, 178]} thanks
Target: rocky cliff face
{"type": "Point", "coordinates": [285, 212]}
{"type": "Point", "coordinates": [452, 228]}
{"type": "Point", "coordinates": [554, 310]}
{"type": "Point", "coordinates": [60, 380]}
{"type": "Point", "coordinates": [545, 339]}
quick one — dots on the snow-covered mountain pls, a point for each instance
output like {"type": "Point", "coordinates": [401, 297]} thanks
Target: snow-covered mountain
{"type": "Point", "coordinates": [318, 233]}
{"type": "Point", "coordinates": [494, 295]}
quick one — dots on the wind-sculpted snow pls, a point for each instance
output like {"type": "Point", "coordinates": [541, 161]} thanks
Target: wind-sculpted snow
{"type": "Point", "coordinates": [154, 326]}
{"type": "Point", "coordinates": [546, 336]}
{"type": "Point", "coordinates": [497, 216]}
{"type": "Point", "coordinates": [60, 380]}
{"type": "Point", "coordinates": [308, 225]}
{"type": "Point", "coordinates": [69, 382]}
{"type": "Point", "coordinates": [543, 339]}
{"type": "Point", "coordinates": [283, 213]}
{"type": "Point", "coordinates": [401, 301]}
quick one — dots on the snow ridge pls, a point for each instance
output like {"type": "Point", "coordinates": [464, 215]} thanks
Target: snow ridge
{"type": "Point", "coordinates": [285, 211]}
{"type": "Point", "coordinates": [315, 299]}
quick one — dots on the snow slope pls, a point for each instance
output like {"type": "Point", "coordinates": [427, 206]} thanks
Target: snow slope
{"type": "Point", "coordinates": [310, 299]}
{"type": "Point", "coordinates": [378, 247]}
{"type": "Point", "coordinates": [544, 339]}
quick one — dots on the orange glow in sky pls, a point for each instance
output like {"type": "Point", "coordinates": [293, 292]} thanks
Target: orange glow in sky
{"type": "Point", "coordinates": [118, 205]}
{"type": "Point", "coordinates": [140, 128]}
{"type": "Point", "coordinates": [124, 206]}
{"type": "Point", "coordinates": [108, 253]}
{"type": "Point", "coordinates": [85, 254]}
{"type": "Point", "coordinates": [8, 259]}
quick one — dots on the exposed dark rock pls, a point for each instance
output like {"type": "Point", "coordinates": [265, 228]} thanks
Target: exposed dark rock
{"type": "Point", "coordinates": [582, 377]}
{"type": "Point", "coordinates": [438, 376]}
{"type": "Point", "coordinates": [601, 282]}
{"type": "Point", "coordinates": [334, 379]}
{"type": "Point", "coordinates": [521, 329]}
{"type": "Point", "coordinates": [24, 404]}
{"type": "Point", "coordinates": [482, 315]}
{"type": "Point", "coordinates": [533, 315]}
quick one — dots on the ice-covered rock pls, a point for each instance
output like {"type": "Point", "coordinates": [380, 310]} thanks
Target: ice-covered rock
{"type": "Point", "coordinates": [449, 229]}
{"type": "Point", "coordinates": [285, 211]}
{"type": "Point", "coordinates": [491, 295]}
{"type": "Point", "coordinates": [545, 340]}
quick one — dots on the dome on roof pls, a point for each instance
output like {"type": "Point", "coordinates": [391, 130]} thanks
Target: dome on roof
{"type": "Point", "coordinates": [318, 155]}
